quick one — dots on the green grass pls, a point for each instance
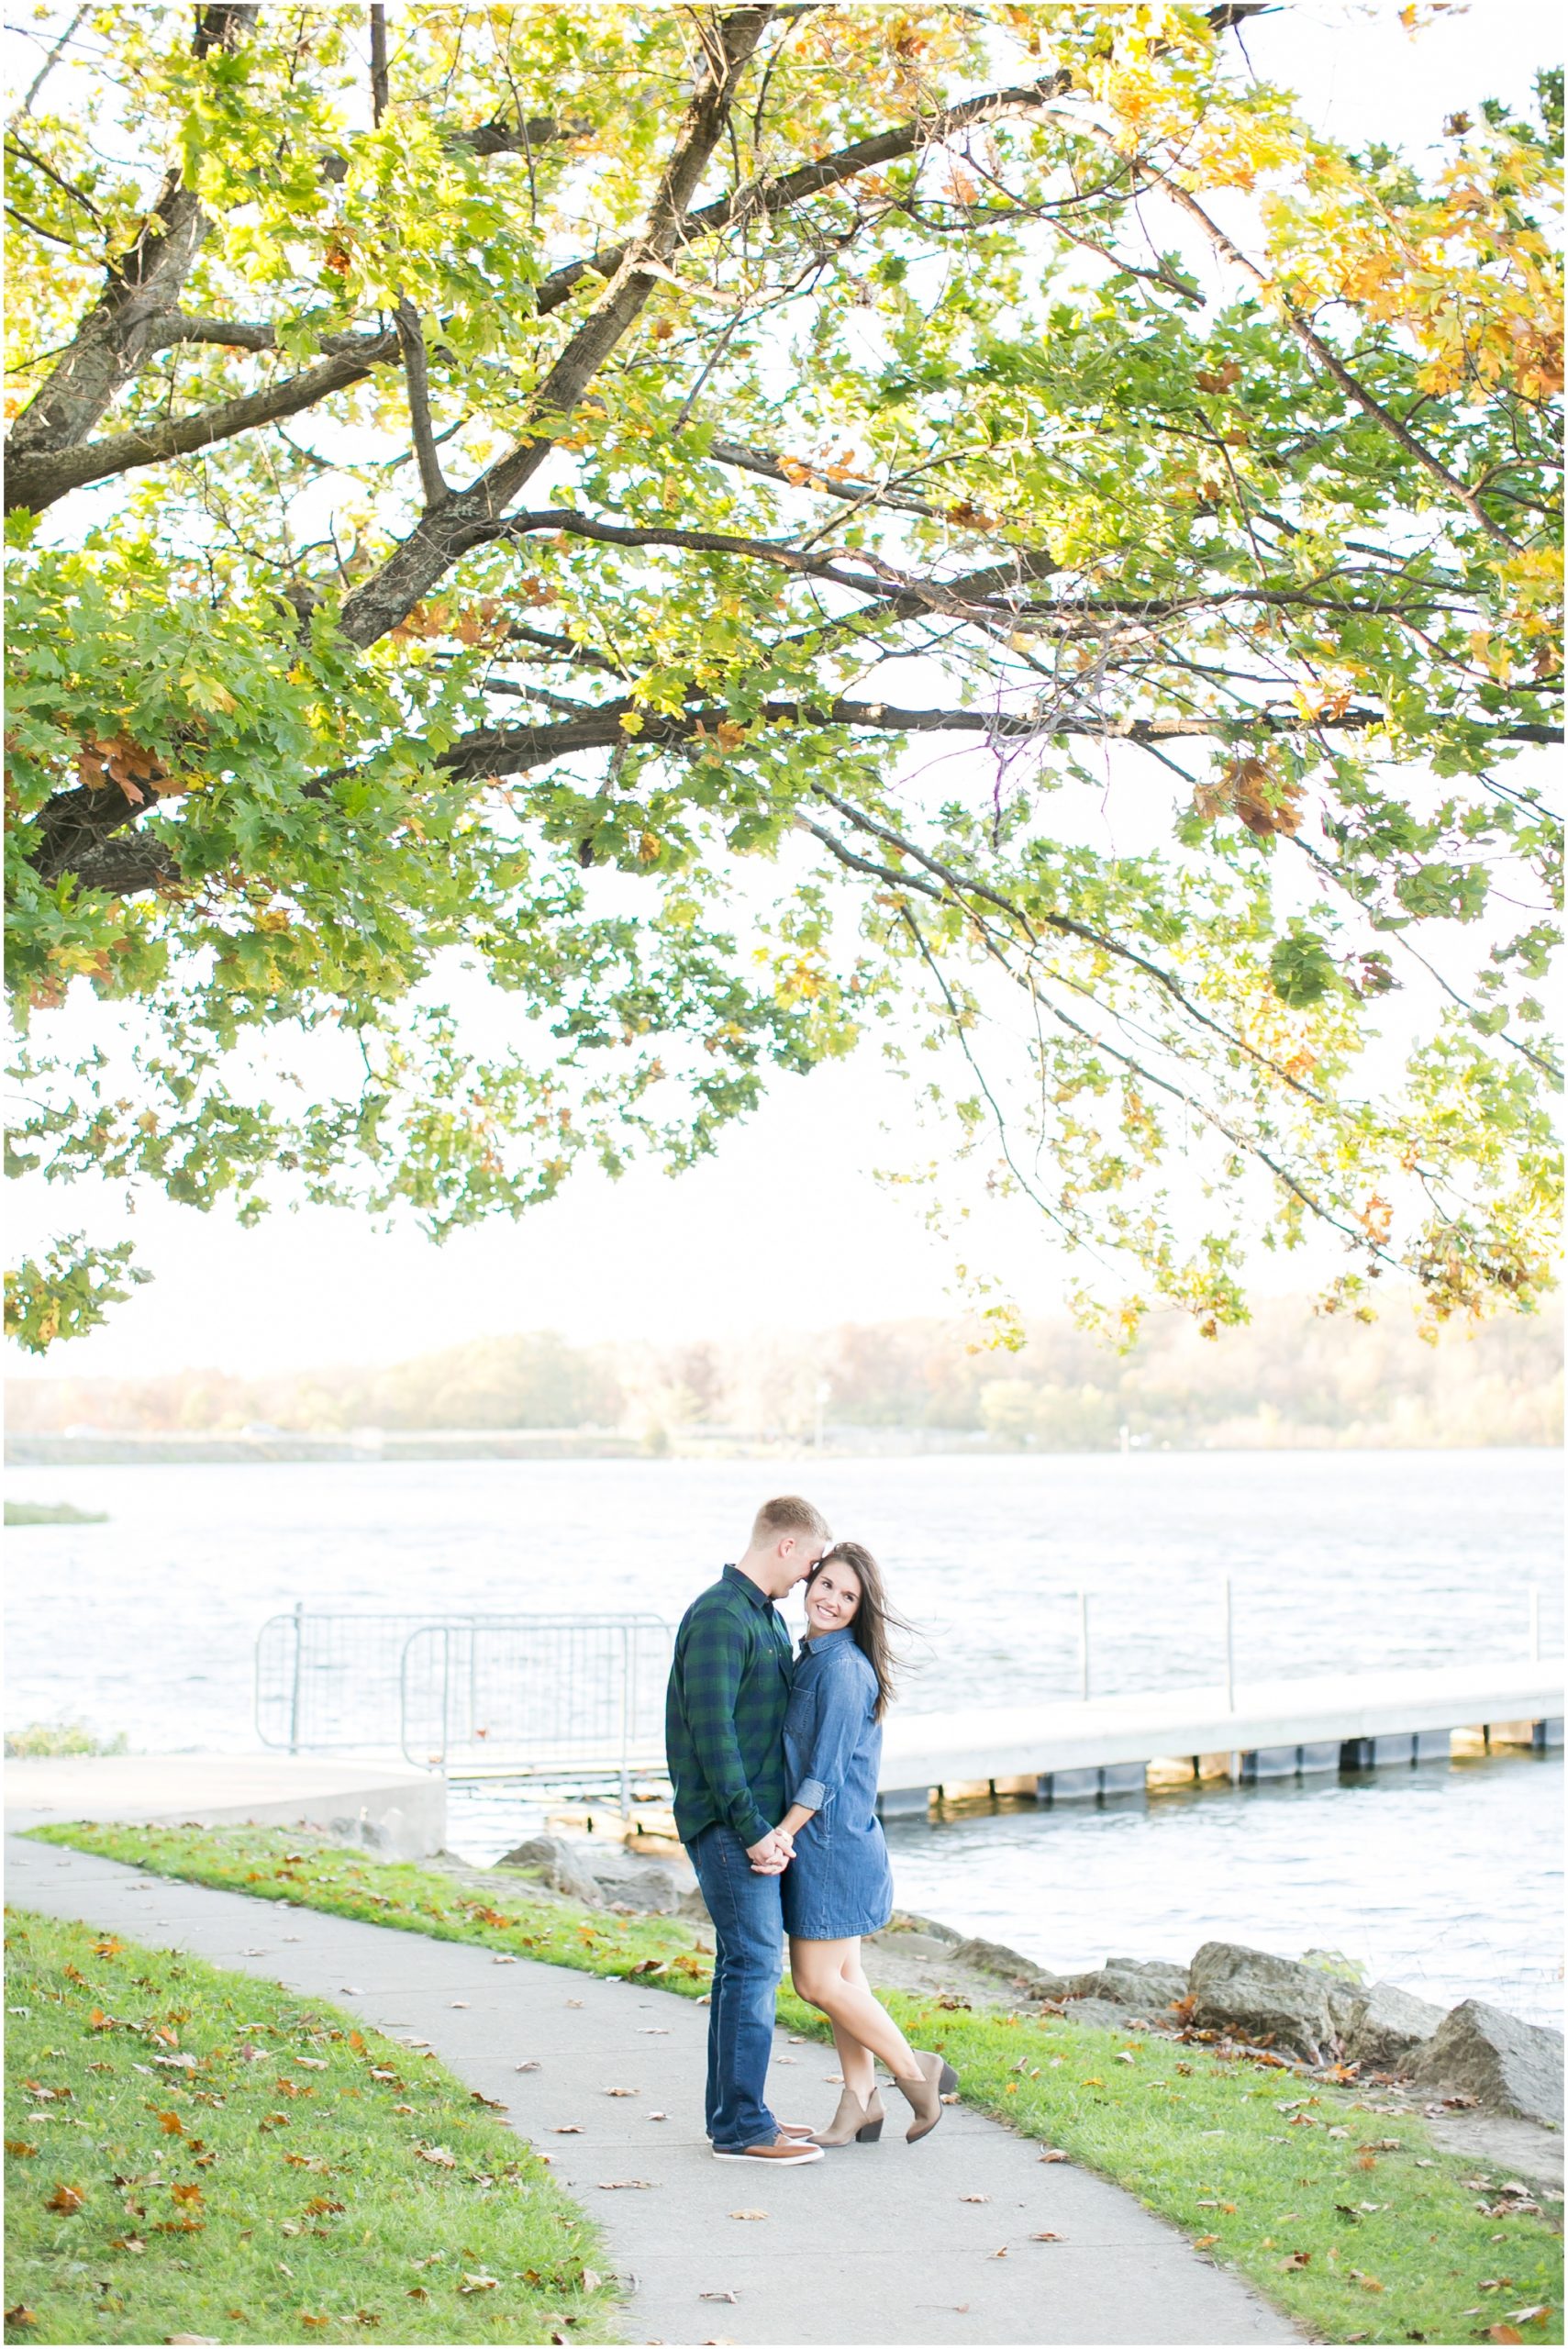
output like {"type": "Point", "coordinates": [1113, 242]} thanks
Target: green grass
{"type": "Point", "coordinates": [1357, 2240]}
{"type": "Point", "coordinates": [43, 1741]}
{"type": "Point", "coordinates": [192, 2152]}
{"type": "Point", "coordinates": [52, 1513]}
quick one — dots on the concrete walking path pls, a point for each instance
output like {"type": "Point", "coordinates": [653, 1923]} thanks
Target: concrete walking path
{"type": "Point", "coordinates": [872, 2243]}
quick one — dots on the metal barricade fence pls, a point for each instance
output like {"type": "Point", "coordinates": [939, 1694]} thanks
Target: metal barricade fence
{"type": "Point", "coordinates": [561, 1696]}
{"type": "Point", "coordinates": [330, 1679]}
{"type": "Point", "coordinates": [542, 1697]}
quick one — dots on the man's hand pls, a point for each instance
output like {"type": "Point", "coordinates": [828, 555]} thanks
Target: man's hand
{"type": "Point", "coordinates": [773, 1854]}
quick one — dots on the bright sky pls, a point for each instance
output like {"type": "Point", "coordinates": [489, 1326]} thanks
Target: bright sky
{"type": "Point", "coordinates": [786, 1227]}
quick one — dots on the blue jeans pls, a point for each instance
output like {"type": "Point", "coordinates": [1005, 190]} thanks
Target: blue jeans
{"type": "Point", "coordinates": [748, 1931]}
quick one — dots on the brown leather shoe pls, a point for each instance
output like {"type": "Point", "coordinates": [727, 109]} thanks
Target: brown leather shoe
{"type": "Point", "coordinates": [783, 2150]}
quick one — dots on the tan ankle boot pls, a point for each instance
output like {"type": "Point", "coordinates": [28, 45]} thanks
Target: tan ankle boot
{"type": "Point", "coordinates": [935, 2079]}
{"type": "Point", "coordinates": [854, 2121]}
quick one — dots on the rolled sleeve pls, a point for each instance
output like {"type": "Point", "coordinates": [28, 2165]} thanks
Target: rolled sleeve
{"type": "Point", "coordinates": [810, 1795]}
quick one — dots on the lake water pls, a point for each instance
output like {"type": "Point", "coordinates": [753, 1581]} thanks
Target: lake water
{"type": "Point", "coordinates": [1447, 1878]}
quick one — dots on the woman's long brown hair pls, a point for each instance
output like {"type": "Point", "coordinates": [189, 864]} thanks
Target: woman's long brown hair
{"type": "Point", "coordinates": [873, 1619]}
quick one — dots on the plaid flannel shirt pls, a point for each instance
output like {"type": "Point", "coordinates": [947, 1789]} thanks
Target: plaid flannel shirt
{"type": "Point", "coordinates": [729, 1684]}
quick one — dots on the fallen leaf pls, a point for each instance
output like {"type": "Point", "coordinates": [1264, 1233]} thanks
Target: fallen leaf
{"type": "Point", "coordinates": [65, 2199]}
{"type": "Point", "coordinates": [1536, 2315]}
{"type": "Point", "coordinates": [592, 2280]}
{"type": "Point", "coordinates": [188, 2196]}
{"type": "Point", "coordinates": [717, 2296]}
{"type": "Point", "coordinates": [438, 2155]}
{"type": "Point", "coordinates": [21, 2314]}
{"type": "Point", "coordinates": [417, 2292]}
{"type": "Point", "coordinates": [462, 2002]}
{"type": "Point", "coordinates": [617, 2185]}
{"type": "Point", "coordinates": [747, 2214]}
{"type": "Point", "coordinates": [623, 2091]}
{"type": "Point", "coordinates": [656, 2116]}
{"type": "Point", "coordinates": [1201, 2243]}
{"type": "Point", "coordinates": [533, 2064]}
{"type": "Point", "coordinates": [480, 2284]}
{"type": "Point", "coordinates": [1367, 2283]}
{"type": "Point", "coordinates": [566, 2129]}
{"type": "Point", "coordinates": [1503, 2333]}
{"type": "Point", "coordinates": [20, 2148]}
{"type": "Point", "coordinates": [974, 2198]}
{"type": "Point", "coordinates": [999, 2255]}
{"type": "Point", "coordinates": [1053, 2156]}
{"type": "Point", "coordinates": [1298, 2259]}
{"type": "Point", "coordinates": [1045, 2236]}
{"type": "Point", "coordinates": [195, 2340]}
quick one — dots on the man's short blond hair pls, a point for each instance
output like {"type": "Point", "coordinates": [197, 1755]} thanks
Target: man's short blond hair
{"type": "Point", "coordinates": [788, 1514]}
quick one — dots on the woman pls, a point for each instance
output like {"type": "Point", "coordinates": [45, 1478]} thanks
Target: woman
{"type": "Point", "coordinates": [839, 1885]}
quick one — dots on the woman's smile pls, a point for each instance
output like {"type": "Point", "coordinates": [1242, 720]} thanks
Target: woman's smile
{"type": "Point", "coordinates": [831, 1598]}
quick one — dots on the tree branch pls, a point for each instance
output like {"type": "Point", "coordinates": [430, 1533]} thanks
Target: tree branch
{"type": "Point", "coordinates": [37, 481]}
{"type": "Point", "coordinates": [386, 599]}
{"type": "Point", "coordinates": [761, 198]}
{"type": "Point", "coordinates": [115, 338]}
{"type": "Point", "coordinates": [1325, 357]}
{"type": "Point", "coordinates": [417, 375]}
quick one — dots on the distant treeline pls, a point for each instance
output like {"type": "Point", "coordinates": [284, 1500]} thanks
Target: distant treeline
{"type": "Point", "coordinates": [1290, 1379]}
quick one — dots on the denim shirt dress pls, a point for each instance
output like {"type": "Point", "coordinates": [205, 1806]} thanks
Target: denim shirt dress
{"type": "Point", "coordinates": [839, 1883]}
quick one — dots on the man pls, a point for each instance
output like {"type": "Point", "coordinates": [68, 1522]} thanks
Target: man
{"type": "Point", "coordinates": [724, 1733]}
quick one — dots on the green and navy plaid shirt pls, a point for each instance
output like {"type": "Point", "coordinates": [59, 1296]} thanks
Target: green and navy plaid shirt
{"type": "Point", "coordinates": [724, 1714]}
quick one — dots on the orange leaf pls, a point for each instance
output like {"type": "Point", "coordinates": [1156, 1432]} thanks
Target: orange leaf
{"type": "Point", "coordinates": [65, 2199]}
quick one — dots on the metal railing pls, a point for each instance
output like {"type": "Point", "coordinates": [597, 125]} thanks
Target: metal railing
{"type": "Point", "coordinates": [559, 1696]}
{"type": "Point", "coordinates": [1532, 1594]}
{"type": "Point", "coordinates": [564, 1697]}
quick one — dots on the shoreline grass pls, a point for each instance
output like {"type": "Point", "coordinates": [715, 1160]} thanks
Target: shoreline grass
{"type": "Point", "coordinates": [190, 2151]}
{"type": "Point", "coordinates": [1348, 2218]}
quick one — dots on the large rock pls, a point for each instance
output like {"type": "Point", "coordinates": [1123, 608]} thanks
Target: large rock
{"type": "Point", "coordinates": [656, 1886]}
{"type": "Point", "coordinates": [1512, 2066]}
{"type": "Point", "coordinates": [1385, 2026]}
{"type": "Point", "coordinates": [995, 1957]}
{"type": "Point", "coordinates": [558, 1865]}
{"type": "Point", "coordinates": [1143, 1986]}
{"type": "Point", "coordinates": [600, 1872]}
{"type": "Point", "coordinates": [1234, 1988]}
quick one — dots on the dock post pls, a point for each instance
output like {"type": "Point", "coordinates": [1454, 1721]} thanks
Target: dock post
{"type": "Point", "coordinates": [1084, 1645]}
{"type": "Point", "coordinates": [1230, 1650]}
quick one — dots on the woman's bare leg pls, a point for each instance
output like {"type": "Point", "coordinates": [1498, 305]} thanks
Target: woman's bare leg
{"type": "Point", "coordinates": [828, 1975]}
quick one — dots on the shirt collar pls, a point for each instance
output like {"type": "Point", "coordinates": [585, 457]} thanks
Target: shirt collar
{"type": "Point", "coordinates": [809, 1646]}
{"type": "Point", "coordinates": [744, 1582]}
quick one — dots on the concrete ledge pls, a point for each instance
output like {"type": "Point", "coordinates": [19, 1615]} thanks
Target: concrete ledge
{"type": "Point", "coordinates": [399, 1812]}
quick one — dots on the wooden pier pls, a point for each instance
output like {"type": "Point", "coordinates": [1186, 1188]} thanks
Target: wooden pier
{"type": "Point", "coordinates": [1262, 1729]}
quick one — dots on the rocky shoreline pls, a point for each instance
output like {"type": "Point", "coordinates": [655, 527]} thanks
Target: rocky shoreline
{"type": "Point", "coordinates": [1487, 2084]}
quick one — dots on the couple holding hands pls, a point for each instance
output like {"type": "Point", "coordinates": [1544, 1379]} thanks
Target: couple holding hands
{"type": "Point", "coordinates": [773, 1759]}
